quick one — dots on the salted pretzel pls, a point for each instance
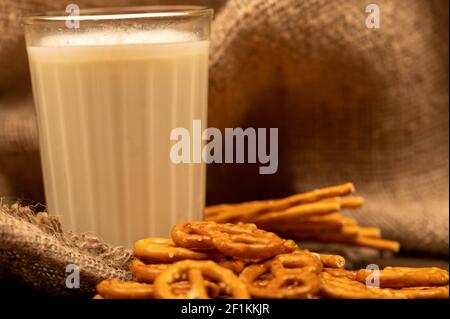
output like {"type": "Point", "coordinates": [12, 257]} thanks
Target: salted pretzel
{"type": "Point", "coordinates": [300, 284]}
{"type": "Point", "coordinates": [399, 277]}
{"type": "Point", "coordinates": [117, 289]}
{"type": "Point", "coordinates": [186, 235]}
{"type": "Point", "coordinates": [146, 272]}
{"type": "Point", "coordinates": [240, 240]}
{"type": "Point", "coordinates": [295, 262]}
{"type": "Point", "coordinates": [346, 288]}
{"type": "Point", "coordinates": [195, 271]}
{"type": "Point", "coordinates": [164, 250]}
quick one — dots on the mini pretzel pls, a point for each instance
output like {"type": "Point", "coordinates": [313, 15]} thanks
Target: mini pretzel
{"type": "Point", "coordinates": [241, 240]}
{"type": "Point", "coordinates": [165, 251]}
{"type": "Point", "coordinates": [146, 273]}
{"type": "Point", "coordinates": [302, 284]}
{"type": "Point", "coordinates": [185, 235]}
{"type": "Point", "coordinates": [294, 262]}
{"type": "Point", "coordinates": [116, 289]}
{"type": "Point", "coordinates": [298, 284]}
{"type": "Point", "coordinates": [399, 277]}
{"type": "Point", "coordinates": [195, 271]}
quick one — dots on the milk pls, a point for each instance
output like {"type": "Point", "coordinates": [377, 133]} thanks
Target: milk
{"type": "Point", "coordinates": [106, 106]}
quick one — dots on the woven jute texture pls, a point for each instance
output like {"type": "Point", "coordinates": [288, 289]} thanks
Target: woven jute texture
{"type": "Point", "coordinates": [35, 250]}
{"type": "Point", "coordinates": [351, 104]}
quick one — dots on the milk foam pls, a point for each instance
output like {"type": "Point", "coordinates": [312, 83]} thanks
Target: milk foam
{"type": "Point", "coordinates": [114, 37]}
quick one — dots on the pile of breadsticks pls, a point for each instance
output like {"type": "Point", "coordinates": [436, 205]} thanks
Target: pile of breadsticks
{"type": "Point", "coordinates": [206, 259]}
{"type": "Point", "coordinates": [315, 215]}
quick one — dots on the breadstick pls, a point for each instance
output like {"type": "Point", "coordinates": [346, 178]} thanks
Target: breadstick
{"type": "Point", "coordinates": [340, 287]}
{"type": "Point", "coordinates": [376, 243]}
{"type": "Point", "coordinates": [349, 221]}
{"type": "Point", "coordinates": [362, 231]}
{"type": "Point", "coordinates": [304, 210]}
{"type": "Point", "coordinates": [423, 292]}
{"type": "Point", "coordinates": [304, 227]}
{"type": "Point", "coordinates": [348, 201]}
{"type": "Point", "coordinates": [332, 218]}
{"type": "Point", "coordinates": [331, 261]}
{"type": "Point", "coordinates": [318, 194]}
{"type": "Point", "coordinates": [215, 209]}
{"type": "Point", "coordinates": [400, 277]}
{"type": "Point", "coordinates": [257, 207]}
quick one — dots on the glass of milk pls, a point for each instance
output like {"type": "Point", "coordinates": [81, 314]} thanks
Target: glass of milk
{"type": "Point", "coordinates": [109, 86]}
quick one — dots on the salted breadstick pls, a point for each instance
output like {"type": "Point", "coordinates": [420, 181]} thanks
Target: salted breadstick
{"type": "Point", "coordinates": [332, 218]}
{"type": "Point", "coordinates": [318, 194]}
{"type": "Point", "coordinates": [400, 277]}
{"type": "Point", "coordinates": [331, 261]}
{"type": "Point", "coordinates": [349, 221]}
{"type": "Point", "coordinates": [228, 216]}
{"type": "Point", "coordinates": [215, 209]}
{"type": "Point", "coordinates": [377, 243]}
{"type": "Point", "coordinates": [304, 227]}
{"type": "Point", "coordinates": [343, 287]}
{"type": "Point", "coordinates": [362, 231]}
{"type": "Point", "coordinates": [348, 201]}
{"type": "Point", "coordinates": [422, 292]}
{"type": "Point", "coordinates": [328, 236]}
{"type": "Point", "coordinates": [257, 207]}
{"type": "Point", "coordinates": [299, 211]}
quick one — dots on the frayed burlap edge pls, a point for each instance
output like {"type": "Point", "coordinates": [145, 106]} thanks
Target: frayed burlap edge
{"type": "Point", "coordinates": [36, 250]}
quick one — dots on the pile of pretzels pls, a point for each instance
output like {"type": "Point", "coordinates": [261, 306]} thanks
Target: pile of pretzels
{"type": "Point", "coordinates": [206, 259]}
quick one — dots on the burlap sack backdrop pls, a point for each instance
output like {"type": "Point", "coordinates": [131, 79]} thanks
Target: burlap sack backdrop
{"type": "Point", "coordinates": [351, 104]}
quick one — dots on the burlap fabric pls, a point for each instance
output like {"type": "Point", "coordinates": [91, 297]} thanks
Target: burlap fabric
{"type": "Point", "coordinates": [351, 104]}
{"type": "Point", "coordinates": [35, 250]}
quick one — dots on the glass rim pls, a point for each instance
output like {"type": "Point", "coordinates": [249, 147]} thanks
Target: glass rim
{"type": "Point", "coordinates": [120, 13]}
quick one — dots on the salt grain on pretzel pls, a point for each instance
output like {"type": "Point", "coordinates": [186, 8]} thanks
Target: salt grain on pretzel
{"type": "Point", "coordinates": [185, 235]}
